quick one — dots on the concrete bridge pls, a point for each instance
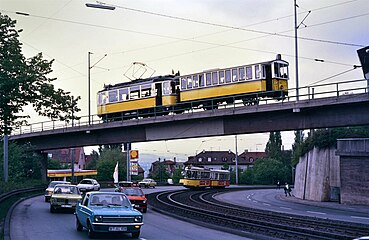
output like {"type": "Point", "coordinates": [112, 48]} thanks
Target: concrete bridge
{"type": "Point", "coordinates": [335, 111]}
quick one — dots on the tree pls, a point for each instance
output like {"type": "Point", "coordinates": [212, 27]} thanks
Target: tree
{"type": "Point", "coordinates": [24, 82]}
{"type": "Point", "coordinates": [274, 145]}
{"type": "Point", "coordinates": [106, 164]}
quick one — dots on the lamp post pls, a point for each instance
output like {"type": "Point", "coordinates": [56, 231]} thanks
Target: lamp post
{"type": "Point", "coordinates": [296, 55]}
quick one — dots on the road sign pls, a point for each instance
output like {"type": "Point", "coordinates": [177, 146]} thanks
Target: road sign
{"type": "Point", "coordinates": [133, 154]}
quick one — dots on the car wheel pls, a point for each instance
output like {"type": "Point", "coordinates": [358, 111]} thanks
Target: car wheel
{"type": "Point", "coordinates": [90, 232]}
{"type": "Point", "coordinates": [46, 199]}
{"type": "Point", "coordinates": [52, 209]}
{"type": "Point", "coordinates": [78, 225]}
{"type": "Point", "coordinates": [136, 235]}
{"type": "Point", "coordinates": [144, 210]}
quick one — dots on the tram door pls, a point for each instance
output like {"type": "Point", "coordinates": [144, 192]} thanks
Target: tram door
{"type": "Point", "coordinates": [269, 81]}
{"type": "Point", "coordinates": [159, 94]}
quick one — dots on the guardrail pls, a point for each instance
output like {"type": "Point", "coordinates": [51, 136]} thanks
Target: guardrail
{"type": "Point", "coordinates": [337, 89]}
{"type": "Point", "coordinates": [6, 196]}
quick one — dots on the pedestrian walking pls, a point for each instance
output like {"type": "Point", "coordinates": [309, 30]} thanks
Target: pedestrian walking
{"type": "Point", "coordinates": [287, 189]}
{"type": "Point", "coordinates": [278, 184]}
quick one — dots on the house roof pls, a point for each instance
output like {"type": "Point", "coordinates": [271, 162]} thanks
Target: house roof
{"type": "Point", "coordinates": [224, 157]}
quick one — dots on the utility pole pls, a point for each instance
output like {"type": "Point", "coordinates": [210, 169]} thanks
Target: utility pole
{"type": "Point", "coordinates": [89, 88]}
{"type": "Point", "coordinates": [236, 161]}
{"type": "Point", "coordinates": [296, 55]}
{"type": "Point", "coordinates": [6, 160]}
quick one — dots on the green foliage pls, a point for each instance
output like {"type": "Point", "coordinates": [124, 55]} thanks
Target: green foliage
{"type": "Point", "coordinates": [177, 175]}
{"type": "Point", "coordinates": [53, 164]}
{"type": "Point", "coordinates": [23, 82]}
{"type": "Point", "coordinates": [106, 165]}
{"type": "Point", "coordinates": [326, 138]}
{"type": "Point", "coordinates": [274, 145]}
{"type": "Point", "coordinates": [24, 164]}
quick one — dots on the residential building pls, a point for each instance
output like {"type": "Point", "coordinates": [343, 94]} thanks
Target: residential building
{"type": "Point", "coordinates": [225, 159]}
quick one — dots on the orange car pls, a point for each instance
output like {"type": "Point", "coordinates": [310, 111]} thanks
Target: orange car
{"type": "Point", "coordinates": [137, 197]}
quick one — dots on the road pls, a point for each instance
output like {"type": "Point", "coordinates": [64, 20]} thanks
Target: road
{"type": "Point", "coordinates": [31, 220]}
{"type": "Point", "coordinates": [274, 200]}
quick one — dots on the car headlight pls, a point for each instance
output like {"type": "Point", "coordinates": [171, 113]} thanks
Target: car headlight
{"type": "Point", "coordinates": [138, 219]}
{"type": "Point", "coordinates": [144, 201]}
{"type": "Point", "coordinates": [98, 218]}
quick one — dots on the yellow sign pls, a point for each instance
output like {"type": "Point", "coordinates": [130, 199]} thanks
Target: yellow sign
{"type": "Point", "coordinates": [133, 154]}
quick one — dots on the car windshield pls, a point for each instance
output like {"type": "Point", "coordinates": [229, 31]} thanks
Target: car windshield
{"type": "Point", "coordinates": [109, 200]}
{"type": "Point", "coordinates": [86, 182]}
{"type": "Point", "coordinates": [66, 190]}
{"type": "Point", "coordinates": [53, 184]}
{"type": "Point", "coordinates": [133, 192]}
{"type": "Point", "coordinates": [146, 180]}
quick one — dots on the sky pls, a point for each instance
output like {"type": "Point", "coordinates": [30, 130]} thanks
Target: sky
{"type": "Point", "coordinates": [190, 36]}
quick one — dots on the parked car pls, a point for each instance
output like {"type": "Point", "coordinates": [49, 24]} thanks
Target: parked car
{"type": "Point", "coordinates": [147, 183]}
{"type": "Point", "coordinates": [88, 184]}
{"type": "Point", "coordinates": [102, 212]}
{"type": "Point", "coordinates": [123, 184]}
{"type": "Point", "coordinates": [137, 197]}
{"type": "Point", "coordinates": [64, 196]}
{"type": "Point", "coordinates": [49, 190]}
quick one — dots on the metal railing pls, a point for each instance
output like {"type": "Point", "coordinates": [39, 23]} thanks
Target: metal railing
{"type": "Point", "coordinates": [306, 93]}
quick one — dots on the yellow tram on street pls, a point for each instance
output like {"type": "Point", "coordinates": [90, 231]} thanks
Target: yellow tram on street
{"type": "Point", "coordinates": [198, 177]}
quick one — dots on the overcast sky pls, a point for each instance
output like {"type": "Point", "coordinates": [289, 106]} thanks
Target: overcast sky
{"type": "Point", "coordinates": [190, 36]}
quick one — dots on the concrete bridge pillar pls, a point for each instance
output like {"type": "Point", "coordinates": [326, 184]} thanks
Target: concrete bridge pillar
{"type": "Point", "coordinates": [354, 170]}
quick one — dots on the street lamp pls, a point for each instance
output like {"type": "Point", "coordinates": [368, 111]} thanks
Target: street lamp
{"type": "Point", "coordinates": [101, 6]}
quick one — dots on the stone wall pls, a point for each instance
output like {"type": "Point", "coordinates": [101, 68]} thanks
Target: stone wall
{"type": "Point", "coordinates": [317, 175]}
{"type": "Point", "coordinates": [354, 165]}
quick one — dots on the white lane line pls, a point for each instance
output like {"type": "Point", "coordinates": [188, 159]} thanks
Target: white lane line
{"type": "Point", "coordinates": [316, 212]}
{"type": "Point", "coordinates": [360, 217]}
{"type": "Point", "coordinates": [286, 208]}
{"type": "Point", "coordinates": [266, 204]}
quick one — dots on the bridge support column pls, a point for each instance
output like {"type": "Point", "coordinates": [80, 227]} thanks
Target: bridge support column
{"type": "Point", "coordinates": [43, 166]}
{"type": "Point", "coordinates": [127, 148]}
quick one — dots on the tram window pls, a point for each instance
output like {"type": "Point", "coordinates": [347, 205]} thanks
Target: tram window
{"type": "Point", "coordinates": [257, 72]}
{"type": "Point", "coordinates": [201, 80]}
{"type": "Point", "coordinates": [221, 77]}
{"type": "Point", "coordinates": [234, 75]}
{"type": "Point", "coordinates": [208, 79]}
{"type": "Point", "coordinates": [214, 76]}
{"type": "Point", "coordinates": [166, 88]}
{"type": "Point", "coordinates": [248, 73]}
{"type": "Point", "coordinates": [134, 92]}
{"type": "Point", "coordinates": [104, 98]}
{"type": "Point", "coordinates": [188, 174]}
{"type": "Point", "coordinates": [263, 71]}
{"type": "Point", "coordinates": [146, 90]}
{"type": "Point", "coordinates": [123, 94]}
{"type": "Point", "coordinates": [195, 81]}
{"type": "Point", "coordinates": [205, 175]}
{"type": "Point", "coordinates": [189, 82]}
{"type": "Point", "coordinates": [113, 96]}
{"type": "Point", "coordinates": [241, 72]}
{"type": "Point", "coordinates": [228, 76]}
{"type": "Point", "coordinates": [183, 83]}
{"type": "Point", "coordinates": [99, 99]}
{"type": "Point", "coordinates": [276, 70]}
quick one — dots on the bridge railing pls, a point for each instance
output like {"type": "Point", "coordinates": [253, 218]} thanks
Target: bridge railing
{"type": "Point", "coordinates": [306, 93]}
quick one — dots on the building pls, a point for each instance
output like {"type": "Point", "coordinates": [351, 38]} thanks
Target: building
{"type": "Point", "coordinates": [169, 166]}
{"type": "Point", "coordinates": [65, 156]}
{"type": "Point", "coordinates": [225, 159]}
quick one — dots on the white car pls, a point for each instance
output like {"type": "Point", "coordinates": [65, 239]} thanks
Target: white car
{"type": "Point", "coordinates": [50, 188]}
{"type": "Point", "coordinates": [88, 184]}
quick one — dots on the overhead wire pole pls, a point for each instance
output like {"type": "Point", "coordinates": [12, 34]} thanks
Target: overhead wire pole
{"type": "Point", "coordinates": [236, 161]}
{"type": "Point", "coordinates": [296, 55]}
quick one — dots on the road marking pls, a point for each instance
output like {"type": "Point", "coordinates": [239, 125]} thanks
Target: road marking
{"type": "Point", "coordinates": [316, 212]}
{"type": "Point", "coordinates": [360, 217]}
{"type": "Point", "coordinates": [266, 204]}
{"type": "Point", "coordinates": [286, 208]}
{"type": "Point", "coordinates": [255, 201]}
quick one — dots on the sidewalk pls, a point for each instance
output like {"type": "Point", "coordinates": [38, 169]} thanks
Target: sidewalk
{"type": "Point", "coordinates": [331, 205]}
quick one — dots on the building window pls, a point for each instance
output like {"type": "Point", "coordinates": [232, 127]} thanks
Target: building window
{"type": "Point", "coordinates": [199, 159]}
{"type": "Point", "coordinates": [209, 159]}
{"type": "Point", "coordinates": [251, 160]}
{"type": "Point", "coordinates": [224, 159]}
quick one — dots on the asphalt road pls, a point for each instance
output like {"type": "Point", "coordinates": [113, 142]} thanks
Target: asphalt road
{"type": "Point", "coordinates": [31, 220]}
{"type": "Point", "coordinates": [274, 200]}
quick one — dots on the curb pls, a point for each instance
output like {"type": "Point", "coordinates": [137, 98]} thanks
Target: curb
{"type": "Point", "coordinates": [9, 215]}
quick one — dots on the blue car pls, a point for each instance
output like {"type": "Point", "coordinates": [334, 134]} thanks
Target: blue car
{"type": "Point", "coordinates": [108, 212]}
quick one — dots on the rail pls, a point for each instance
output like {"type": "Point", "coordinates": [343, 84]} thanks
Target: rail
{"type": "Point", "coordinates": [308, 93]}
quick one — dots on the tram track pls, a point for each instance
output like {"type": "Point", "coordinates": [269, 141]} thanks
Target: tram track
{"type": "Point", "coordinates": [202, 207]}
